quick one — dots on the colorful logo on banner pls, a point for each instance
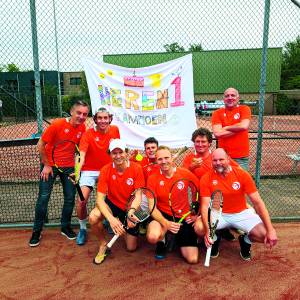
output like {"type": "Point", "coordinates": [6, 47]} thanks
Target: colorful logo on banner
{"type": "Point", "coordinates": [154, 101]}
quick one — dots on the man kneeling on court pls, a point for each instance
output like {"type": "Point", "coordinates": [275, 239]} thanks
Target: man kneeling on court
{"type": "Point", "coordinates": [117, 181]}
{"type": "Point", "coordinates": [161, 183]}
{"type": "Point", "coordinates": [235, 184]}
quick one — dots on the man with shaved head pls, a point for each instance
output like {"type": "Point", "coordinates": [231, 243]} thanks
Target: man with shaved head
{"type": "Point", "coordinates": [230, 126]}
{"type": "Point", "coordinates": [235, 184]}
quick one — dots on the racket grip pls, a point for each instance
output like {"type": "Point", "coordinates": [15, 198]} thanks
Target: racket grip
{"type": "Point", "coordinates": [207, 257]}
{"type": "Point", "coordinates": [112, 241]}
{"type": "Point", "coordinates": [79, 191]}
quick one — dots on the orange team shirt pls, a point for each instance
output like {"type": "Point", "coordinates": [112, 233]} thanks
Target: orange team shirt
{"type": "Point", "coordinates": [237, 145]}
{"type": "Point", "coordinates": [161, 187]}
{"type": "Point", "coordinates": [95, 145]}
{"type": "Point", "coordinates": [204, 167]}
{"type": "Point", "coordinates": [149, 166]}
{"type": "Point", "coordinates": [235, 186]}
{"type": "Point", "coordinates": [119, 187]}
{"type": "Point", "coordinates": [60, 130]}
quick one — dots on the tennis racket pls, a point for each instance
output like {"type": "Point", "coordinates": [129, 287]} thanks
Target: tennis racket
{"type": "Point", "coordinates": [183, 202]}
{"type": "Point", "coordinates": [214, 213]}
{"type": "Point", "coordinates": [62, 153]}
{"type": "Point", "coordinates": [139, 207]}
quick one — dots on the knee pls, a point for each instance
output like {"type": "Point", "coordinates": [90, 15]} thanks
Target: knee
{"type": "Point", "coordinates": [192, 259]}
{"type": "Point", "coordinates": [153, 237]}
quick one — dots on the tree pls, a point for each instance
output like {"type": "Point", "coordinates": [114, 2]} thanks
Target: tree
{"type": "Point", "coordinates": [290, 70]}
{"type": "Point", "coordinates": [174, 47]}
{"type": "Point", "coordinates": [12, 68]}
{"type": "Point", "coordinates": [195, 47]}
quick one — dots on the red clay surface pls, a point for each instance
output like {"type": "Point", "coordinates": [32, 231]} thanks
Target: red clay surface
{"type": "Point", "coordinates": [59, 269]}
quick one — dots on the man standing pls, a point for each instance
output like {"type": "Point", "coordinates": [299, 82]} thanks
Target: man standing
{"type": "Point", "coordinates": [230, 126]}
{"type": "Point", "coordinates": [116, 182]}
{"type": "Point", "coordinates": [235, 184]}
{"type": "Point", "coordinates": [93, 156]}
{"type": "Point", "coordinates": [61, 129]}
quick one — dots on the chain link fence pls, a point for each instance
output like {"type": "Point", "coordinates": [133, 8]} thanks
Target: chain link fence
{"type": "Point", "coordinates": [226, 40]}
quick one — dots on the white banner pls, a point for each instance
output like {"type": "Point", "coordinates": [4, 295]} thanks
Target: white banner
{"type": "Point", "coordinates": [152, 101]}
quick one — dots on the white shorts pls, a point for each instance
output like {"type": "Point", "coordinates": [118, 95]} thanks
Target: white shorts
{"type": "Point", "coordinates": [245, 220]}
{"type": "Point", "coordinates": [88, 178]}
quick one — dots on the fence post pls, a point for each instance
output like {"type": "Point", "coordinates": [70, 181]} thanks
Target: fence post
{"type": "Point", "coordinates": [37, 79]}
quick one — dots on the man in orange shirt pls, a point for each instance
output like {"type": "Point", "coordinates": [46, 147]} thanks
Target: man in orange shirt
{"type": "Point", "coordinates": [235, 184]}
{"type": "Point", "coordinates": [230, 126]}
{"type": "Point", "coordinates": [117, 181]}
{"type": "Point", "coordinates": [61, 129]}
{"type": "Point", "coordinates": [93, 156]}
{"type": "Point", "coordinates": [147, 162]}
{"type": "Point", "coordinates": [200, 162]}
{"type": "Point", "coordinates": [160, 183]}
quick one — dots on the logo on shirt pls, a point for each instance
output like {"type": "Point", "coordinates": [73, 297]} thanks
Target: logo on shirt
{"type": "Point", "coordinates": [236, 116]}
{"type": "Point", "coordinates": [215, 182]}
{"type": "Point", "coordinates": [180, 185]}
{"type": "Point", "coordinates": [161, 183]}
{"type": "Point", "coordinates": [78, 135]}
{"type": "Point", "coordinates": [97, 139]}
{"type": "Point", "coordinates": [114, 177]}
{"type": "Point", "coordinates": [66, 130]}
{"type": "Point", "coordinates": [236, 185]}
{"type": "Point", "coordinates": [129, 181]}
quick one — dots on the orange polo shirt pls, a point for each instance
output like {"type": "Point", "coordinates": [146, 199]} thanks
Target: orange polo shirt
{"type": "Point", "coordinates": [118, 187]}
{"type": "Point", "coordinates": [237, 145]}
{"type": "Point", "coordinates": [149, 166]}
{"type": "Point", "coordinates": [95, 145]}
{"type": "Point", "coordinates": [60, 130]}
{"type": "Point", "coordinates": [234, 186]}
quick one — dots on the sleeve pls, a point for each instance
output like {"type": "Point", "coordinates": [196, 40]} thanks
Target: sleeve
{"type": "Point", "coordinates": [191, 176]}
{"type": "Point", "coordinates": [204, 186]}
{"type": "Point", "coordinates": [249, 184]}
{"type": "Point", "coordinates": [49, 134]}
{"type": "Point", "coordinates": [245, 113]}
{"type": "Point", "coordinates": [215, 118]}
{"type": "Point", "coordinates": [102, 185]}
{"type": "Point", "coordinates": [84, 142]}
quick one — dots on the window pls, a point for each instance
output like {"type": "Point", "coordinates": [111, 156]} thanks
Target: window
{"type": "Point", "coordinates": [75, 81]}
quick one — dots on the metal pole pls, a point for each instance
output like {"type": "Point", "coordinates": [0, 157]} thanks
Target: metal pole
{"type": "Point", "coordinates": [37, 79]}
{"type": "Point", "coordinates": [57, 62]}
{"type": "Point", "coordinates": [262, 87]}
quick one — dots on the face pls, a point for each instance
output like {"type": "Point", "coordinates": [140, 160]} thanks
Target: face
{"type": "Point", "coordinates": [231, 98]}
{"type": "Point", "coordinates": [220, 161]}
{"type": "Point", "coordinates": [118, 156]}
{"type": "Point", "coordinates": [79, 114]}
{"type": "Point", "coordinates": [201, 144]}
{"type": "Point", "coordinates": [150, 150]}
{"type": "Point", "coordinates": [102, 120]}
{"type": "Point", "coordinates": [164, 159]}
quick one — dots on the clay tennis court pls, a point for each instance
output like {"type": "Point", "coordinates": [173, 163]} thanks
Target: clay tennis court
{"type": "Point", "coordinates": [59, 269]}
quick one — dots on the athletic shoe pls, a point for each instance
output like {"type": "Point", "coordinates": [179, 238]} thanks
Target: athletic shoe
{"type": "Point", "coordinates": [100, 257]}
{"type": "Point", "coordinates": [245, 251]}
{"type": "Point", "coordinates": [35, 238]}
{"type": "Point", "coordinates": [215, 248]}
{"type": "Point", "coordinates": [68, 233]}
{"type": "Point", "coordinates": [160, 251]}
{"type": "Point", "coordinates": [227, 235]}
{"type": "Point", "coordinates": [81, 237]}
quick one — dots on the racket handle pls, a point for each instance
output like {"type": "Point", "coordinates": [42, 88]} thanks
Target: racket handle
{"type": "Point", "coordinates": [112, 241]}
{"type": "Point", "coordinates": [79, 191]}
{"type": "Point", "coordinates": [207, 257]}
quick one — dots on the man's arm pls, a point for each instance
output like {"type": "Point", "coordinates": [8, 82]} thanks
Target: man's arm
{"type": "Point", "coordinates": [47, 169]}
{"type": "Point", "coordinates": [241, 126]}
{"type": "Point", "coordinates": [204, 216]}
{"type": "Point", "coordinates": [261, 210]}
{"type": "Point", "coordinates": [220, 132]}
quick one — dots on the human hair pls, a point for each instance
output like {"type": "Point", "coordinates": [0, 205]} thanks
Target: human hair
{"type": "Point", "coordinates": [202, 132]}
{"type": "Point", "coordinates": [151, 140]}
{"type": "Point", "coordinates": [81, 103]}
{"type": "Point", "coordinates": [103, 110]}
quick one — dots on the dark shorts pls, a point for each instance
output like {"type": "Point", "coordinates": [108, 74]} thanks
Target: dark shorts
{"type": "Point", "coordinates": [186, 236]}
{"type": "Point", "coordinates": [121, 215]}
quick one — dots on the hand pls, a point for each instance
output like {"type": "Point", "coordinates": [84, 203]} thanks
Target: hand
{"type": "Point", "coordinates": [72, 178]}
{"type": "Point", "coordinates": [132, 218]}
{"type": "Point", "coordinates": [196, 162]}
{"type": "Point", "coordinates": [116, 226]}
{"type": "Point", "coordinates": [47, 170]}
{"type": "Point", "coordinates": [190, 219]}
{"type": "Point", "coordinates": [208, 240]}
{"type": "Point", "coordinates": [271, 239]}
{"type": "Point", "coordinates": [173, 227]}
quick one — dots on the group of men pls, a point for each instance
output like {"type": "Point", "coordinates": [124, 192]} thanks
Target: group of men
{"type": "Point", "coordinates": [105, 161]}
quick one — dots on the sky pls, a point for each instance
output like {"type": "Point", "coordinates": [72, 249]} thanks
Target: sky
{"type": "Point", "coordinates": [93, 28]}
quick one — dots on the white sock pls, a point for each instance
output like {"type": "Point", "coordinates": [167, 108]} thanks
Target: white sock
{"type": "Point", "coordinates": [82, 224]}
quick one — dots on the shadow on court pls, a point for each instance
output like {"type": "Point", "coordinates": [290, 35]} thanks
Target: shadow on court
{"type": "Point", "coordinates": [59, 269]}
